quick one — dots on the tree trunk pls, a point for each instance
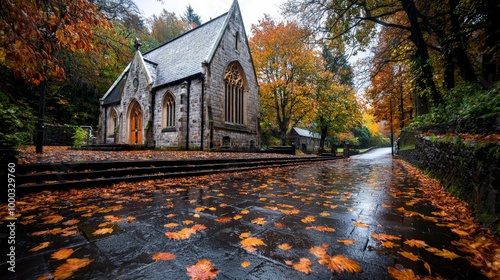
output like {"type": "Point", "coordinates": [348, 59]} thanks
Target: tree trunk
{"type": "Point", "coordinates": [421, 58]}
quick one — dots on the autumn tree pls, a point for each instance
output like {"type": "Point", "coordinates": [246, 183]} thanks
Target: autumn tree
{"type": "Point", "coordinates": [451, 31]}
{"type": "Point", "coordinates": [167, 26]}
{"type": "Point", "coordinates": [283, 63]}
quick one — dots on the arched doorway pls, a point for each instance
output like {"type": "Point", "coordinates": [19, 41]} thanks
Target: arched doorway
{"type": "Point", "coordinates": [135, 123]}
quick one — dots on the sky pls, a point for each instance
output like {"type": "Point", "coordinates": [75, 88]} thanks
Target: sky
{"type": "Point", "coordinates": [252, 10]}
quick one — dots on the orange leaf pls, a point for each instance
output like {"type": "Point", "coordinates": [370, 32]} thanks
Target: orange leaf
{"type": "Point", "coordinates": [62, 254]}
{"type": "Point", "coordinates": [171, 225]}
{"type": "Point", "coordinates": [443, 253]}
{"type": "Point", "coordinates": [360, 224]}
{"type": "Point", "coordinates": [53, 219]}
{"type": "Point", "coordinates": [102, 231]}
{"type": "Point", "coordinates": [409, 255]}
{"type": "Point", "coordinates": [308, 219]}
{"type": "Point", "coordinates": [385, 237]}
{"type": "Point", "coordinates": [285, 246]}
{"type": "Point", "coordinates": [113, 218]}
{"type": "Point", "coordinates": [244, 211]}
{"type": "Point", "coordinates": [130, 219]}
{"type": "Point", "coordinates": [389, 244]}
{"type": "Point", "coordinates": [40, 246]}
{"type": "Point", "coordinates": [321, 228]}
{"type": "Point", "coordinates": [340, 264]}
{"type": "Point", "coordinates": [318, 251]}
{"type": "Point", "coordinates": [250, 243]}
{"type": "Point", "coordinates": [202, 270]}
{"type": "Point", "coordinates": [71, 222]}
{"type": "Point", "coordinates": [404, 274]}
{"type": "Point", "coordinates": [416, 243]}
{"type": "Point", "coordinates": [184, 233]}
{"type": "Point", "coordinates": [304, 265]}
{"type": "Point", "coordinates": [223, 219]}
{"type": "Point", "coordinates": [187, 222]}
{"type": "Point", "coordinates": [163, 256]}
{"type": "Point", "coordinates": [259, 221]}
{"type": "Point", "coordinates": [245, 264]}
{"type": "Point", "coordinates": [244, 235]}
{"type": "Point", "coordinates": [347, 241]}
{"type": "Point", "coordinates": [67, 269]}
{"type": "Point", "coordinates": [428, 267]}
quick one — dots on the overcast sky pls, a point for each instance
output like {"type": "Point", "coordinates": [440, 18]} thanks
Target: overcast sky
{"type": "Point", "coordinates": [252, 10]}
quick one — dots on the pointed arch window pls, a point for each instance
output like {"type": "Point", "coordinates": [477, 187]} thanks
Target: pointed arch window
{"type": "Point", "coordinates": [168, 111]}
{"type": "Point", "coordinates": [234, 95]}
{"type": "Point", "coordinates": [112, 122]}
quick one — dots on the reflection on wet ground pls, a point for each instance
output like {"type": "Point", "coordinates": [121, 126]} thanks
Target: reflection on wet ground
{"type": "Point", "coordinates": [344, 206]}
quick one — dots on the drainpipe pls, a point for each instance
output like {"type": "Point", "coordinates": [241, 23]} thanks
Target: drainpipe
{"type": "Point", "coordinates": [105, 125]}
{"type": "Point", "coordinates": [188, 85]}
{"type": "Point", "coordinates": [152, 133]}
{"type": "Point", "coordinates": [202, 110]}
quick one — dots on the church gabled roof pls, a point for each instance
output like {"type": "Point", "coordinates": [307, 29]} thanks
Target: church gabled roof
{"type": "Point", "coordinates": [182, 56]}
{"type": "Point", "coordinates": [306, 133]}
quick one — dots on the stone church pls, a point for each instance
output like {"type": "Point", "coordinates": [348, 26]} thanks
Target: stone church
{"type": "Point", "coordinates": [197, 91]}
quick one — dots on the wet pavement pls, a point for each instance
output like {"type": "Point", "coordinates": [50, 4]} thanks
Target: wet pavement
{"type": "Point", "coordinates": [249, 225]}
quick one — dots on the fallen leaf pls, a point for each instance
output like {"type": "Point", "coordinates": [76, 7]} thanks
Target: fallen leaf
{"type": "Point", "coordinates": [40, 246]}
{"type": "Point", "coordinates": [62, 254]}
{"type": "Point", "coordinates": [321, 228]}
{"type": "Point", "coordinates": [71, 222]}
{"type": "Point", "coordinates": [404, 274]}
{"type": "Point", "coordinates": [245, 211]}
{"type": "Point", "coordinates": [130, 219]}
{"type": "Point", "coordinates": [347, 241]}
{"type": "Point", "coordinates": [184, 233]}
{"type": "Point", "coordinates": [237, 217]}
{"type": "Point", "coordinates": [250, 243]}
{"type": "Point", "coordinates": [103, 231]}
{"type": "Point", "coordinates": [67, 269]}
{"type": "Point", "coordinates": [324, 214]}
{"type": "Point", "coordinates": [223, 219]}
{"type": "Point", "coordinates": [170, 225]}
{"type": "Point", "coordinates": [245, 235]}
{"type": "Point", "coordinates": [409, 255]}
{"type": "Point", "coordinates": [361, 225]}
{"type": "Point", "coordinates": [53, 219]}
{"type": "Point", "coordinates": [443, 253]}
{"type": "Point", "coordinates": [45, 277]}
{"type": "Point", "coordinates": [308, 219]}
{"type": "Point", "coordinates": [340, 264]}
{"type": "Point", "coordinates": [318, 251]}
{"type": "Point", "coordinates": [245, 264]}
{"type": "Point", "coordinates": [113, 218]}
{"type": "Point", "coordinates": [385, 237]}
{"type": "Point", "coordinates": [416, 243]}
{"type": "Point", "coordinates": [187, 222]}
{"type": "Point", "coordinates": [389, 244]}
{"type": "Point", "coordinates": [202, 270]}
{"type": "Point", "coordinates": [428, 267]}
{"type": "Point", "coordinates": [285, 246]}
{"type": "Point", "coordinates": [278, 224]}
{"type": "Point", "coordinates": [304, 265]}
{"type": "Point", "coordinates": [259, 221]}
{"type": "Point", "coordinates": [163, 256]}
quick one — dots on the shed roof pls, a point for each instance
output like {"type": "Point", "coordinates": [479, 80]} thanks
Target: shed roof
{"type": "Point", "coordinates": [306, 133]}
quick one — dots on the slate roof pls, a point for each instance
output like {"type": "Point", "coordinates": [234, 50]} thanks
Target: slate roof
{"type": "Point", "coordinates": [306, 133]}
{"type": "Point", "coordinates": [182, 57]}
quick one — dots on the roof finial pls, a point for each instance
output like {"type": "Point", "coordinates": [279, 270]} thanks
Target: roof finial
{"type": "Point", "coordinates": [137, 43]}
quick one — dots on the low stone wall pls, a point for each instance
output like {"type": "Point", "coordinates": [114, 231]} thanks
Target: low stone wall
{"type": "Point", "coordinates": [469, 170]}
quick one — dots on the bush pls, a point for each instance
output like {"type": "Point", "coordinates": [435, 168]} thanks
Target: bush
{"type": "Point", "coordinates": [79, 137]}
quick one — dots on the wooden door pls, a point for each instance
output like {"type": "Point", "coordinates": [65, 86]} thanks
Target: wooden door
{"type": "Point", "coordinates": [135, 121]}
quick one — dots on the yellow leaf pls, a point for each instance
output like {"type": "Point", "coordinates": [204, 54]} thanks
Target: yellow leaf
{"type": "Point", "coordinates": [250, 243]}
{"type": "Point", "coordinates": [40, 246]}
{"type": "Point", "coordinates": [62, 254]}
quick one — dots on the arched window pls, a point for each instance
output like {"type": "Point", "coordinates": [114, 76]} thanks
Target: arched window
{"type": "Point", "coordinates": [112, 122]}
{"type": "Point", "coordinates": [234, 95]}
{"type": "Point", "coordinates": [168, 111]}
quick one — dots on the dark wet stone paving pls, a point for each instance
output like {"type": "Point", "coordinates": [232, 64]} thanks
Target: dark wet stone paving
{"type": "Point", "coordinates": [337, 194]}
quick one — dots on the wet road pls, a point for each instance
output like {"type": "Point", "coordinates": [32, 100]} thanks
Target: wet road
{"type": "Point", "coordinates": [281, 223]}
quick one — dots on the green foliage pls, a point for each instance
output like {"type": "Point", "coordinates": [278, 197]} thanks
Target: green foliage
{"type": "Point", "coordinates": [79, 136]}
{"type": "Point", "coordinates": [17, 122]}
{"type": "Point", "coordinates": [463, 102]}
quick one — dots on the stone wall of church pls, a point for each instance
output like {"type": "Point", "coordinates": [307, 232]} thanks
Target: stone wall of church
{"type": "Point", "coordinates": [224, 134]}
